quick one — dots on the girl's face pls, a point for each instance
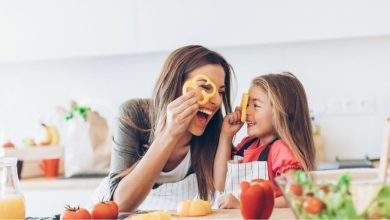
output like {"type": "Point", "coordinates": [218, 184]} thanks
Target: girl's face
{"type": "Point", "coordinates": [216, 74]}
{"type": "Point", "coordinates": [259, 114]}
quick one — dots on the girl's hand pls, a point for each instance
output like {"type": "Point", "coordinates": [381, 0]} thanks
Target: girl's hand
{"type": "Point", "coordinates": [180, 113]}
{"type": "Point", "coordinates": [232, 123]}
{"type": "Point", "coordinates": [228, 202]}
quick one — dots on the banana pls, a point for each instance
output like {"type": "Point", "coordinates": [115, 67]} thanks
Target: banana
{"type": "Point", "coordinates": [54, 135]}
{"type": "Point", "coordinates": [48, 134]}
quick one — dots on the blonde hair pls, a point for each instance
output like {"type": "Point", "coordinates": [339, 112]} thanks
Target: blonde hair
{"type": "Point", "coordinates": [290, 114]}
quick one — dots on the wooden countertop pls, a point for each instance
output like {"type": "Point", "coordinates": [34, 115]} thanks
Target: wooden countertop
{"type": "Point", "coordinates": [278, 213]}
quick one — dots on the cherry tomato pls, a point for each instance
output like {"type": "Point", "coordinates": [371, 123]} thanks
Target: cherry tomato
{"type": "Point", "coordinates": [75, 213]}
{"type": "Point", "coordinates": [325, 189]}
{"type": "Point", "coordinates": [313, 205]}
{"type": "Point", "coordinates": [294, 189]}
{"type": "Point", "coordinates": [105, 210]}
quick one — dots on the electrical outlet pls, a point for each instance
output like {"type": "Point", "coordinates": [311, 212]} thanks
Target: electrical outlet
{"type": "Point", "coordinates": [344, 106]}
{"type": "Point", "coordinates": [350, 106]}
{"type": "Point", "coordinates": [367, 105]}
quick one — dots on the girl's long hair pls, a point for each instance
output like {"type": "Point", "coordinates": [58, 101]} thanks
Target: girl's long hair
{"type": "Point", "coordinates": [168, 87]}
{"type": "Point", "coordinates": [290, 114]}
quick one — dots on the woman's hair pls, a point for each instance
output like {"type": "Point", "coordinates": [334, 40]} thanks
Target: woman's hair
{"type": "Point", "coordinates": [168, 87]}
{"type": "Point", "coordinates": [290, 114]}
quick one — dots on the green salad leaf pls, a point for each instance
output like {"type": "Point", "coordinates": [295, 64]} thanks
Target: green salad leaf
{"type": "Point", "coordinates": [380, 206]}
{"type": "Point", "coordinates": [302, 178]}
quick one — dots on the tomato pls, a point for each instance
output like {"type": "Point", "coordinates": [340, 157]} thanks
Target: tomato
{"type": "Point", "coordinates": [294, 189]}
{"type": "Point", "coordinates": [75, 213]}
{"type": "Point", "coordinates": [105, 210]}
{"type": "Point", "coordinates": [313, 205]}
{"type": "Point", "coordinates": [8, 145]}
{"type": "Point", "coordinates": [325, 189]}
{"type": "Point", "coordinates": [256, 199]}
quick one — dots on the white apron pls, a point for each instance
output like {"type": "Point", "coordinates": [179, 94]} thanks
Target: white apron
{"type": "Point", "coordinates": [175, 187]}
{"type": "Point", "coordinates": [238, 172]}
{"type": "Point", "coordinates": [168, 195]}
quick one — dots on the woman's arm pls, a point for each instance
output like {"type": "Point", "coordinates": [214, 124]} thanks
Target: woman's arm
{"type": "Point", "coordinates": [135, 186]}
{"type": "Point", "coordinates": [231, 124]}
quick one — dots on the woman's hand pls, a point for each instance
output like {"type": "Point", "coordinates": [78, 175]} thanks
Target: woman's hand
{"type": "Point", "coordinates": [228, 202]}
{"type": "Point", "coordinates": [180, 113]}
{"type": "Point", "coordinates": [232, 123]}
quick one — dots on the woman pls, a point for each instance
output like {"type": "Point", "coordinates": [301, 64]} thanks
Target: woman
{"type": "Point", "coordinates": [170, 141]}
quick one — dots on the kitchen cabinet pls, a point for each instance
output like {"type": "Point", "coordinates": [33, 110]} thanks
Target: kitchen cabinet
{"type": "Point", "coordinates": [166, 25]}
{"type": "Point", "coordinates": [46, 197]}
{"type": "Point", "coordinates": [44, 29]}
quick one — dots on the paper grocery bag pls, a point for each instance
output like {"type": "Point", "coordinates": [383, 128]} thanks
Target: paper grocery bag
{"type": "Point", "coordinates": [87, 145]}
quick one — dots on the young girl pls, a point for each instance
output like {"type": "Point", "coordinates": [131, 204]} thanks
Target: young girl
{"type": "Point", "coordinates": [279, 133]}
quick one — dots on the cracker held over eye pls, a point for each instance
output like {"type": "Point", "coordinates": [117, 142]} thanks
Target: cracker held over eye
{"type": "Point", "coordinates": [192, 83]}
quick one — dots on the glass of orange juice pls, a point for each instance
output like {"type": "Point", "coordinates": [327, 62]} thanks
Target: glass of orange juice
{"type": "Point", "coordinates": [11, 199]}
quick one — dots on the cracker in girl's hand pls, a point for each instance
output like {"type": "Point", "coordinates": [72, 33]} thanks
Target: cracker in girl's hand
{"type": "Point", "coordinates": [243, 105]}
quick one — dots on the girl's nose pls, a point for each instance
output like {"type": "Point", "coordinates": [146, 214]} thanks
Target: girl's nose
{"type": "Point", "coordinates": [248, 110]}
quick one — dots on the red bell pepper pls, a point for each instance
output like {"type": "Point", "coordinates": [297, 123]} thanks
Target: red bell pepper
{"type": "Point", "coordinates": [256, 199]}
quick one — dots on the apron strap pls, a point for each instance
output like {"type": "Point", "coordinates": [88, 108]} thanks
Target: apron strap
{"type": "Point", "coordinates": [264, 154]}
{"type": "Point", "coordinates": [245, 146]}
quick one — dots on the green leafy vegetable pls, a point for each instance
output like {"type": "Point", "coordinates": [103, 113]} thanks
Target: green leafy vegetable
{"type": "Point", "coordinates": [380, 206]}
{"type": "Point", "coordinates": [81, 110]}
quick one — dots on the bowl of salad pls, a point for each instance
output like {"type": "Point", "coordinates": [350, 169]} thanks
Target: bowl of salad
{"type": "Point", "coordinates": [341, 194]}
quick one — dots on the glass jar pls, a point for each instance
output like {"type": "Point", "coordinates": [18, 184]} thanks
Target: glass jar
{"type": "Point", "coordinates": [11, 199]}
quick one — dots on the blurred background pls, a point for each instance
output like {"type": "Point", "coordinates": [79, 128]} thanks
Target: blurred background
{"type": "Point", "coordinates": [101, 53]}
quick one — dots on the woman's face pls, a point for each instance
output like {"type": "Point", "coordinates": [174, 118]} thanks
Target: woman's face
{"type": "Point", "coordinates": [259, 114]}
{"type": "Point", "coordinates": [216, 74]}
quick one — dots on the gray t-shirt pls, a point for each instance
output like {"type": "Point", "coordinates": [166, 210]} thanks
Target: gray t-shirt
{"type": "Point", "coordinates": [129, 144]}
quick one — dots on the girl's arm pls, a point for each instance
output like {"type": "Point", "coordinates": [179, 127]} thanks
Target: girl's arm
{"type": "Point", "coordinates": [280, 202]}
{"type": "Point", "coordinates": [222, 156]}
{"type": "Point", "coordinates": [135, 186]}
{"type": "Point", "coordinates": [231, 124]}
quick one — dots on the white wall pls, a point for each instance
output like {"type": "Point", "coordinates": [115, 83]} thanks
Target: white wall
{"type": "Point", "coordinates": [336, 74]}
{"type": "Point", "coordinates": [45, 29]}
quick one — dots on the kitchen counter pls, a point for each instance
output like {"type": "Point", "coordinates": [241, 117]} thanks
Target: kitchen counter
{"type": "Point", "coordinates": [45, 197]}
{"type": "Point", "coordinates": [278, 213]}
